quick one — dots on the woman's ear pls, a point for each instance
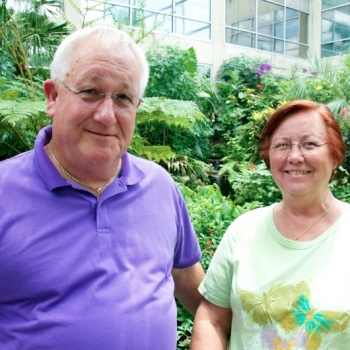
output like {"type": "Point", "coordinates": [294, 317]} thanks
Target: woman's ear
{"type": "Point", "coordinates": [51, 95]}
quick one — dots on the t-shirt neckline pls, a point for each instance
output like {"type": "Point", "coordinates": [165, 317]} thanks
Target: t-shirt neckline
{"type": "Point", "coordinates": [301, 244]}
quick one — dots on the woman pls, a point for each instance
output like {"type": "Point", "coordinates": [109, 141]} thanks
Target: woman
{"type": "Point", "coordinates": [280, 278]}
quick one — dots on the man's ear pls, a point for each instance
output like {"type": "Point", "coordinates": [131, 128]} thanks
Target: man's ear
{"type": "Point", "coordinates": [51, 95]}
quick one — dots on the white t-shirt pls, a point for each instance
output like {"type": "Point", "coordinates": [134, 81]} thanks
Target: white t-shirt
{"type": "Point", "coordinates": [283, 294]}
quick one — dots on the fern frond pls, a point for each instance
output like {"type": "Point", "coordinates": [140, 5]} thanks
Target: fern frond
{"type": "Point", "coordinates": [171, 112]}
{"type": "Point", "coordinates": [156, 153]}
{"type": "Point", "coordinates": [16, 112]}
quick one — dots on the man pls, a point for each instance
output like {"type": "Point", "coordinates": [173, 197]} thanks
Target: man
{"type": "Point", "coordinates": [93, 240]}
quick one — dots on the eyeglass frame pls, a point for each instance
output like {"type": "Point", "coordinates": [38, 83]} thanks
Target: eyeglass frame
{"type": "Point", "coordinates": [300, 145]}
{"type": "Point", "coordinates": [102, 95]}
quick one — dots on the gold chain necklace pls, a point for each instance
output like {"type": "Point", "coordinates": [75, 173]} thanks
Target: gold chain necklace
{"type": "Point", "coordinates": [318, 219]}
{"type": "Point", "coordinates": [99, 189]}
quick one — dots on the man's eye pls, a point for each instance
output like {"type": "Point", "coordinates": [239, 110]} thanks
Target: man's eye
{"type": "Point", "coordinates": [122, 96]}
{"type": "Point", "coordinates": [90, 95]}
{"type": "Point", "coordinates": [90, 92]}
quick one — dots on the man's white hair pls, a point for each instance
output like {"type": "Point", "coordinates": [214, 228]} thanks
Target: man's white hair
{"type": "Point", "coordinates": [109, 37]}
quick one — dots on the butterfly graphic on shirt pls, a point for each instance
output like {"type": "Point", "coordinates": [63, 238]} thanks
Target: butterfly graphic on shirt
{"type": "Point", "coordinates": [273, 341]}
{"type": "Point", "coordinates": [315, 322]}
{"type": "Point", "coordinates": [268, 306]}
{"type": "Point", "coordinates": [289, 306]}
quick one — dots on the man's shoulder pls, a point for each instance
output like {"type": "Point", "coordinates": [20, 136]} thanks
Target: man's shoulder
{"type": "Point", "coordinates": [16, 172]}
{"type": "Point", "coordinates": [149, 174]}
{"type": "Point", "coordinates": [147, 166]}
{"type": "Point", "coordinates": [17, 162]}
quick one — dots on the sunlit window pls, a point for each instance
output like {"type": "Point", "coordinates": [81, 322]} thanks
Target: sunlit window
{"type": "Point", "coordinates": [186, 17]}
{"type": "Point", "coordinates": [335, 27]}
{"type": "Point", "coordinates": [280, 26]}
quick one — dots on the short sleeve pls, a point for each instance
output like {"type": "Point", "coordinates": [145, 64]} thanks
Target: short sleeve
{"type": "Point", "coordinates": [187, 250]}
{"type": "Point", "coordinates": [217, 284]}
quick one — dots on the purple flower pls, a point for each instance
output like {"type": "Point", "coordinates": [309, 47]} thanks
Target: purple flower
{"type": "Point", "coordinates": [304, 70]}
{"type": "Point", "coordinates": [265, 66]}
{"type": "Point", "coordinates": [259, 72]}
{"type": "Point", "coordinates": [314, 74]}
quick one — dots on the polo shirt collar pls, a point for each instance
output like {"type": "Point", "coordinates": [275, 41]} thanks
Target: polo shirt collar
{"type": "Point", "coordinates": [47, 170]}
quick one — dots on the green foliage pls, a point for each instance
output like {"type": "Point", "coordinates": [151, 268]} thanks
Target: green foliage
{"type": "Point", "coordinates": [174, 134]}
{"type": "Point", "coordinates": [235, 102]}
{"type": "Point", "coordinates": [244, 67]}
{"type": "Point", "coordinates": [340, 186]}
{"type": "Point", "coordinates": [16, 88]}
{"type": "Point", "coordinates": [219, 151]}
{"type": "Point", "coordinates": [156, 153]}
{"type": "Point", "coordinates": [173, 73]}
{"type": "Point", "coordinates": [236, 97]}
{"type": "Point", "coordinates": [271, 89]}
{"type": "Point", "coordinates": [20, 117]}
{"type": "Point", "coordinates": [211, 213]}
{"type": "Point", "coordinates": [177, 124]}
{"type": "Point", "coordinates": [184, 328]}
{"type": "Point", "coordinates": [346, 138]}
{"type": "Point", "coordinates": [245, 145]}
{"type": "Point", "coordinates": [20, 122]}
{"type": "Point", "coordinates": [251, 183]}
{"type": "Point", "coordinates": [28, 40]}
{"type": "Point", "coordinates": [170, 112]}
{"type": "Point", "coordinates": [321, 81]}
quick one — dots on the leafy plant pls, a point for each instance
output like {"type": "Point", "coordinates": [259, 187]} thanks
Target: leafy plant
{"type": "Point", "coordinates": [211, 213]}
{"type": "Point", "coordinates": [248, 70]}
{"type": "Point", "coordinates": [340, 186]}
{"type": "Point", "coordinates": [28, 40]}
{"type": "Point", "coordinates": [173, 73]}
{"type": "Point", "coordinates": [184, 328]}
{"type": "Point", "coordinates": [236, 97]}
{"type": "Point", "coordinates": [20, 122]}
{"type": "Point", "coordinates": [177, 124]}
{"type": "Point", "coordinates": [321, 81]}
{"type": "Point", "coordinates": [251, 183]}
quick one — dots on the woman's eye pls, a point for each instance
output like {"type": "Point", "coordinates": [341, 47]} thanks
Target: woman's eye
{"type": "Point", "coordinates": [284, 144]}
{"type": "Point", "coordinates": [309, 144]}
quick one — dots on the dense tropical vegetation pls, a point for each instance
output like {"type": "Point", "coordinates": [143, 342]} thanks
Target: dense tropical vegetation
{"type": "Point", "coordinates": [205, 134]}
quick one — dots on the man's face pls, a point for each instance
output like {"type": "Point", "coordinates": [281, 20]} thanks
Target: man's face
{"type": "Point", "coordinates": [85, 136]}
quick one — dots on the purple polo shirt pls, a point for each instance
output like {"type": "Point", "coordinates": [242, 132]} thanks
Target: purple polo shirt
{"type": "Point", "coordinates": [80, 273]}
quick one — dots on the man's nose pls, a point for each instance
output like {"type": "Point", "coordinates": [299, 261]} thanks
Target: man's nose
{"type": "Point", "coordinates": [105, 111]}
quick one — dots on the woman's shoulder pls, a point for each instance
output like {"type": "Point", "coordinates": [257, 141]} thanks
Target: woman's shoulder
{"type": "Point", "coordinates": [255, 214]}
{"type": "Point", "coordinates": [345, 205]}
{"type": "Point", "coordinates": [250, 222]}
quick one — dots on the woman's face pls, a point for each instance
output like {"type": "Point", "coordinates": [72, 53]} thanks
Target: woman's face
{"type": "Point", "coordinates": [297, 173]}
